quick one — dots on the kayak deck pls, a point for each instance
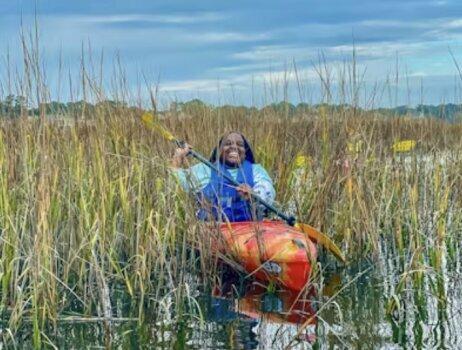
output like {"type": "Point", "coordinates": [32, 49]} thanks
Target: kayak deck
{"type": "Point", "coordinates": [270, 250]}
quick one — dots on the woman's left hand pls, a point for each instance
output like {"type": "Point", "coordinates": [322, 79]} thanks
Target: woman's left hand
{"type": "Point", "coordinates": [244, 191]}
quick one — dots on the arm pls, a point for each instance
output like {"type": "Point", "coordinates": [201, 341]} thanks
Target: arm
{"type": "Point", "coordinates": [179, 157]}
{"type": "Point", "coordinates": [192, 179]}
{"type": "Point", "coordinates": [263, 185]}
{"type": "Point", "coordinates": [184, 176]}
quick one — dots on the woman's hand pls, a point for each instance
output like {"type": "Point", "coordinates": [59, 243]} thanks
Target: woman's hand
{"type": "Point", "coordinates": [244, 191]}
{"type": "Point", "coordinates": [180, 155]}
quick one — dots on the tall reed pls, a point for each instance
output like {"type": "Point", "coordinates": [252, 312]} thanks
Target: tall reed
{"type": "Point", "coordinates": [88, 203]}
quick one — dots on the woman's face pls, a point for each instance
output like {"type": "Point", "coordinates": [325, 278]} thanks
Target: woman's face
{"type": "Point", "coordinates": [232, 149]}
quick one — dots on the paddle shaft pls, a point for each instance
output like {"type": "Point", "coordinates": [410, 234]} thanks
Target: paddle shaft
{"type": "Point", "coordinates": [310, 231]}
{"type": "Point", "coordinates": [148, 120]}
{"type": "Point", "coordinates": [289, 219]}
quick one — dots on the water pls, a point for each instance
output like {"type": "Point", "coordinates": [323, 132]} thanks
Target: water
{"type": "Point", "coordinates": [371, 304]}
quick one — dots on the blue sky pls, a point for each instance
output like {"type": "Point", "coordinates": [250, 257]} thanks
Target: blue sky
{"type": "Point", "coordinates": [242, 52]}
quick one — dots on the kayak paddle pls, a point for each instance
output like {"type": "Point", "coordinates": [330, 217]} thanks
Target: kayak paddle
{"type": "Point", "coordinates": [321, 239]}
{"type": "Point", "coordinates": [150, 122]}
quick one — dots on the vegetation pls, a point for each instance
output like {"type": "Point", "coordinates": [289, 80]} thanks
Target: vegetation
{"type": "Point", "coordinates": [88, 207]}
{"type": "Point", "coordinates": [14, 106]}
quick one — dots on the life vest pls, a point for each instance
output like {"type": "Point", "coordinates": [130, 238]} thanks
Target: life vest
{"type": "Point", "coordinates": [219, 200]}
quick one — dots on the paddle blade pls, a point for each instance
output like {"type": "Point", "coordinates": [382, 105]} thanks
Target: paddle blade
{"type": "Point", "coordinates": [321, 239]}
{"type": "Point", "coordinates": [150, 122]}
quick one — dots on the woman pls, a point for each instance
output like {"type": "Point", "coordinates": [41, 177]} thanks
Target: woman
{"type": "Point", "coordinates": [218, 198]}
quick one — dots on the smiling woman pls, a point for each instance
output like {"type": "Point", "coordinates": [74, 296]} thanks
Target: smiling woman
{"type": "Point", "coordinates": [218, 198]}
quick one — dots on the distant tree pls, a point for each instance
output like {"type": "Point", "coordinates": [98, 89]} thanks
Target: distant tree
{"type": "Point", "coordinates": [193, 107]}
{"type": "Point", "coordinates": [284, 108]}
{"type": "Point", "coordinates": [20, 106]}
{"type": "Point", "coordinates": [80, 108]}
{"type": "Point", "coordinates": [111, 104]}
{"type": "Point", "coordinates": [57, 108]}
{"type": "Point", "coordinates": [303, 108]}
{"type": "Point", "coordinates": [13, 106]}
{"type": "Point", "coordinates": [8, 106]}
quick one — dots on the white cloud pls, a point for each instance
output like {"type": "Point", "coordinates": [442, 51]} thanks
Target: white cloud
{"type": "Point", "coordinates": [416, 24]}
{"type": "Point", "coordinates": [419, 74]}
{"type": "Point", "coordinates": [163, 19]}
{"type": "Point", "coordinates": [72, 30]}
{"type": "Point", "coordinates": [279, 77]}
{"type": "Point", "coordinates": [454, 24]}
{"type": "Point", "coordinates": [287, 75]}
{"type": "Point", "coordinates": [221, 37]}
{"type": "Point", "coordinates": [191, 85]}
{"type": "Point", "coordinates": [242, 68]}
{"type": "Point", "coordinates": [274, 52]}
{"type": "Point", "coordinates": [185, 52]}
{"type": "Point", "coordinates": [380, 50]}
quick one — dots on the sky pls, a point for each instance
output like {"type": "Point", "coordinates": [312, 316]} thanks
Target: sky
{"type": "Point", "coordinates": [244, 52]}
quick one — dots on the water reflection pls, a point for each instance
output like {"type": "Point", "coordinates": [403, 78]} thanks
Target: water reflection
{"type": "Point", "coordinates": [266, 320]}
{"type": "Point", "coordinates": [384, 308]}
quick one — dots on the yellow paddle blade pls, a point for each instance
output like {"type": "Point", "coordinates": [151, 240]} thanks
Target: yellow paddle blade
{"type": "Point", "coordinates": [150, 122]}
{"type": "Point", "coordinates": [321, 239]}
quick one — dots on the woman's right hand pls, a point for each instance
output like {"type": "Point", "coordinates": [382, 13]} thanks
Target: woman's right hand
{"type": "Point", "coordinates": [180, 155]}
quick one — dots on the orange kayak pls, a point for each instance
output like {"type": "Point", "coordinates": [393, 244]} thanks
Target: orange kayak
{"type": "Point", "coordinates": [272, 251]}
{"type": "Point", "coordinates": [286, 307]}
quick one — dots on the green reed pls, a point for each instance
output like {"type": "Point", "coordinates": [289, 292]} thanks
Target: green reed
{"type": "Point", "coordinates": [88, 202]}
{"type": "Point", "coordinates": [91, 203]}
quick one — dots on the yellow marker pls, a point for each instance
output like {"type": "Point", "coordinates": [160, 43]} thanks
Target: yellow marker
{"type": "Point", "coordinates": [301, 161]}
{"type": "Point", "coordinates": [404, 146]}
{"type": "Point", "coordinates": [159, 184]}
{"type": "Point", "coordinates": [355, 147]}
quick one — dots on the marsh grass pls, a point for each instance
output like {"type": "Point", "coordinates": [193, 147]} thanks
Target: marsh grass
{"type": "Point", "coordinates": [88, 204]}
{"type": "Point", "coordinates": [87, 201]}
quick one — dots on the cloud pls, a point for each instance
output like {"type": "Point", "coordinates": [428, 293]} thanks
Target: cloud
{"type": "Point", "coordinates": [457, 23]}
{"type": "Point", "coordinates": [372, 40]}
{"type": "Point", "coordinates": [190, 85]}
{"type": "Point", "coordinates": [229, 37]}
{"type": "Point", "coordinates": [278, 76]}
{"type": "Point", "coordinates": [198, 17]}
{"type": "Point", "coordinates": [195, 45]}
{"type": "Point", "coordinates": [72, 30]}
{"type": "Point", "coordinates": [273, 52]}
{"type": "Point", "coordinates": [247, 67]}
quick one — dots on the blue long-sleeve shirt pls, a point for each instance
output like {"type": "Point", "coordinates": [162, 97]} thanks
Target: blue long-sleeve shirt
{"type": "Point", "coordinates": [196, 178]}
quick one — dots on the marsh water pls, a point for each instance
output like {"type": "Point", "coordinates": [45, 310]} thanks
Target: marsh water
{"type": "Point", "coordinates": [373, 303]}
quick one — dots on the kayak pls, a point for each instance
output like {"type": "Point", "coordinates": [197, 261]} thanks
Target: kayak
{"type": "Point", "coordinates": [281, 307]}
{"type": "Point", "coordinates": [271, 251]}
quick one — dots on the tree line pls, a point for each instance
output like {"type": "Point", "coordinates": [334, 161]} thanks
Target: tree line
{"type": "Point", "coordinates": [13, 106]}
